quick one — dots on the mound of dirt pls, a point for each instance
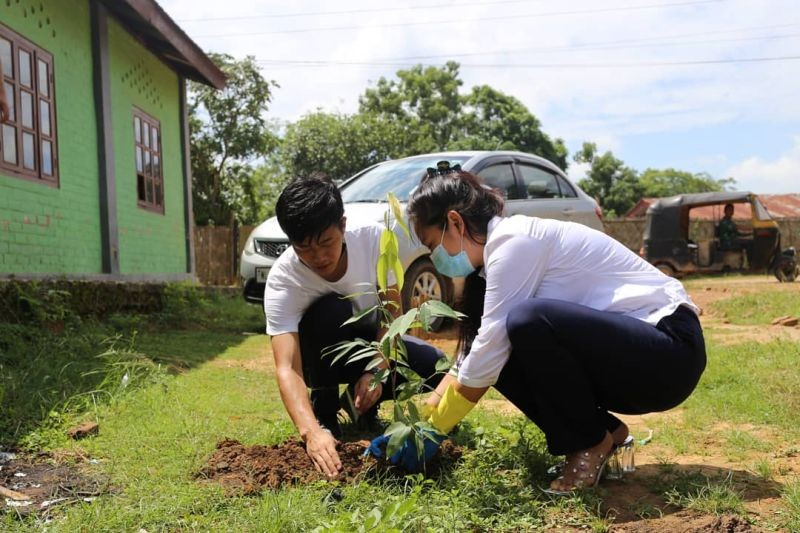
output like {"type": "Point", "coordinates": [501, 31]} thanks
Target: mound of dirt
{"type": "Point", "coordinates": [249, 469]}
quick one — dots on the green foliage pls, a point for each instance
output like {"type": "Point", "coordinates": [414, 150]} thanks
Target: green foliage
{"type": "Point", "coordinates": [338, 144]}
{"type": "Point", "coordinates": [708, 496]}
{"type": "Point", "coordinates": [791, 498]}
{"type": "Point", "coordinates": [659, 183]}
{"type": "Point", "coordinates": [425, 103]}
{"type": "Point", "coordinates": [228, 131]}
{"type": "Point", "coordinates": [617, 187]}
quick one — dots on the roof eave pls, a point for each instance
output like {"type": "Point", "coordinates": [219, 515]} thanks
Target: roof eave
{"type": "Point", "coordinates": [154, 27]}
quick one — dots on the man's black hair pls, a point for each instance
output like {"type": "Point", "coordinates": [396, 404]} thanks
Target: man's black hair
{"type": "Point", "coordinates": [308, 206]}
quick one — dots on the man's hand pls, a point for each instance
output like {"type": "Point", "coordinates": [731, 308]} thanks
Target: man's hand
{"type": "Point", "coordinates": [321, 447]}
{"type": "Point", "coordinates": [366, 398]}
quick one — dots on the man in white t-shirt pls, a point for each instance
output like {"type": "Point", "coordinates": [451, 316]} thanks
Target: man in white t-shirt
{"type": "Point", "coordinates": [305, 308]}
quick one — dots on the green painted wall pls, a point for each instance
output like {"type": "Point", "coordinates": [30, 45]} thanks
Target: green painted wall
{"type": "Point", "coordinates": [45, 229]}
{"type": "Point", "coordinates": [149, 242]}
{"type": "Point", "coordinates": [49, 230]}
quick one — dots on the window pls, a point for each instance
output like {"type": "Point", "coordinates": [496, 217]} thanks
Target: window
{"type": "Point", "coordinates": [149, 181]}
{"type": "Point", "coordinates": [28, 140]}
{"type": "Point", "coordinates": [538, 183]}
{"type": "Point", "coordinates": [499, 177]}
{"type": "Point", "coordinates": [566, 188]}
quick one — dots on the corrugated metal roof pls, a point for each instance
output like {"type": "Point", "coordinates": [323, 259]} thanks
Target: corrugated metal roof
{"type": "Point", "coordinates": [778, 205]}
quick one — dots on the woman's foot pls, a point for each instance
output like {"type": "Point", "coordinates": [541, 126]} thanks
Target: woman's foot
{"type": "Point", "coordinates": [620, 434]}
{"type": "Point", "coordinates": [583, 469]}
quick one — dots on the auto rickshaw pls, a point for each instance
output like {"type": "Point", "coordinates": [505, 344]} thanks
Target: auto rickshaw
{"type": "Point", "coordinates": [677, 246]}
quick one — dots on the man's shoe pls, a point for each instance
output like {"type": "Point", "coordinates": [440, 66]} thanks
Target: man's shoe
{"type": "Point", "coordinates": [331, 423]}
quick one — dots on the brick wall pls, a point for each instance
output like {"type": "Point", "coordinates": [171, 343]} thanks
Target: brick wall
{"type": "Point", "coordinates": [149, 242]}
{"type": "Point", "coordinates": [45, 229]}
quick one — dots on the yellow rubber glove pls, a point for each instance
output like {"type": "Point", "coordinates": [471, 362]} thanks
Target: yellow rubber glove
{"type": "Point", "coordinates": [452, 408]}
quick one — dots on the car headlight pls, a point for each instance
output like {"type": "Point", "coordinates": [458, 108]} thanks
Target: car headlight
{"type": "Point", "coordinates": [249, 245]}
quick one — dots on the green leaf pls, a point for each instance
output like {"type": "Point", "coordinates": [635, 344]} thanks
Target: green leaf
{"type": "Point", "coordinates": [399, 416]}
{"type": "Point", "coordinates": [401, 325]}
{"type": "Point", "coordinates": [372, 364]}
{"type": "Point", "coordinates": [359, 316]}
{"type": "Point", "coordinates": [413, 412]}
{"type": "Point", "coordinates": [397, 437]}
{"type": "Point", "coordinates": [437, 308]}
{"type": "Point", "coordinates": [397, 211]}
{"type": "Point", "coordinates": [443, 365]}
{"type": "Point", "coordinates": [383, 272]}
{"type": "Point", "coordinates": [372, 519]}
{"type": "Point", "coordinates": [398, 272]}
{"type": "Point", "coordinates": [389, 244]}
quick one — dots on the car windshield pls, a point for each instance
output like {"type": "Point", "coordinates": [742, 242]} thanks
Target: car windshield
{"type": "Point", "coordinates": [399, 177]}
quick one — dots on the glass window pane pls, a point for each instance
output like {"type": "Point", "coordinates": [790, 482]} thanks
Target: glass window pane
{"type": "Point", "coordinates": [137, 129]}
{"type": "Point", "coordinates": [25, 68]}
{"type": "Point", "coordinates": [156, 166]}
{"type": "Point", "coordinates": [26, 103]}
{"type": "Point", "coordinates": [5, 57]}
{"type": "Point", "coordinates": [12, 102]}
{"type": "Point", "coordinates": [499, 177]}
{"type": "Point", "coordinates": [155, 139]}
{"type": "Point", "coordinates": [140, 187]}
{"type": "Point", "coordinates": [9, 144]}
{"type": "Point", "coordinates": [139, 167]}
{"type": "Point", "coordinates": [566, 189]}
{"type": "Point", "coordinates": [43, 80]}
{"type": "Point", "coordinates": [148, 170]}
{"type": "Point", "coordinates": [47, 158]}
{"type": "Point", "coordinates": [44, 116]}
{"type": "Point", "coordinates": [538, 183]}
{"type": "Point", "coordinates": [28, 155]}
{"type": "Point", "coordinates": [148, 191]}
{"type": "Point", "coordinates": [146, 140]}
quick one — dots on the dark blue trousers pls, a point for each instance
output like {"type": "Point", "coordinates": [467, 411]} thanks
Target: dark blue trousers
{"type": "Point", "coordinates": [321, 327]}
{"type": "Point", "coordinates": [570, 365]}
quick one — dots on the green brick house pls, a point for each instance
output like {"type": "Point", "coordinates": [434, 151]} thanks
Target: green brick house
{"type": "Point", "coordinates": [94, 172]}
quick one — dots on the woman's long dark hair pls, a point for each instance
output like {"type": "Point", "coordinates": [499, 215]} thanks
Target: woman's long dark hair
{"type": "Point", "coordinates": [477, 204]}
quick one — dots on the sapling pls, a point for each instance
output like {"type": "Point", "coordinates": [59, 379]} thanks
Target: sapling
{"type": "Point", "coordinates": [389, 352]}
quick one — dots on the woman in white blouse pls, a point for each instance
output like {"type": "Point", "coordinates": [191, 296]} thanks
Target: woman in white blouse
{"type": "Point", "coordinates": [563, 320]}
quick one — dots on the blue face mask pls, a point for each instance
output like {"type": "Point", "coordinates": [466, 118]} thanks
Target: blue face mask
{"type": "Point", "coordinates": [452, 266]}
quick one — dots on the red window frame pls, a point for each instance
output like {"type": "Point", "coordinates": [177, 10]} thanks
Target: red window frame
{"type": "Point", "coordinates": [28, 140]}
{"type": "Point", "coordinates": [149, 163]}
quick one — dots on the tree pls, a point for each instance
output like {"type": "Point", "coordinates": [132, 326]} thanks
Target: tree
{"type": "Point", "coordinates": [339, 144]}
{"type": "Point", "coordinates": [435, 116]}
{"type": "Point", "coordinates": [658, 183]}
{"type": "Point", "coordinates": [229, 131]}
{"type": "Point", "coordinates": [615, 186]}
{"type": "Point", "coordinates": [497, 121]}
{"type": "Point", "coordinates": [424, 101]}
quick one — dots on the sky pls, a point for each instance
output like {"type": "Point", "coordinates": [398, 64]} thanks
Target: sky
{"type": "Point", "coordinates": [698, 85]}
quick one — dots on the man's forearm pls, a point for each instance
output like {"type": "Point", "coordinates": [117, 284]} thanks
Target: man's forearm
{"type": "Point", "coordinates": [295, 399]}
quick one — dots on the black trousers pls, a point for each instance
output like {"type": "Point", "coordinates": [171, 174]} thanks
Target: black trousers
{"type": "Point", "coordinates": [321, 327]}
{"type": "Point", "coordinates": [570, 365]}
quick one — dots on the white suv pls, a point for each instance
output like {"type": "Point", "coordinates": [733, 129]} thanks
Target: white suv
{"type": "Point", "coordinates": [531, 185]}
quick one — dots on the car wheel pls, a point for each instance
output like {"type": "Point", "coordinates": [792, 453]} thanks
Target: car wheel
{"type": "Point", "coordinates": [422, 283]}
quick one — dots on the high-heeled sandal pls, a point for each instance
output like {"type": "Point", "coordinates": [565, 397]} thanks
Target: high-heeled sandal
{"type": "Point", "coordinates": [585, 478]}
{"type": "Point", "coordinates": [621, 462]}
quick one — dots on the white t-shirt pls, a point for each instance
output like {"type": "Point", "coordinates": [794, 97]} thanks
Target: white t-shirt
{"type": "Point", "coordinates": [527, 257]}
{"type": "Point", "coordinates": [292, 287]}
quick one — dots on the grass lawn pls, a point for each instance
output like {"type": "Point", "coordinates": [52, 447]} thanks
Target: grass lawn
{"type": "Point", "coordinates": [201, 372]}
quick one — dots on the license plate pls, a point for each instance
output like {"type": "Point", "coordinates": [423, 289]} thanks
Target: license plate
{"type": "Point", "coordinates": [261, 275]}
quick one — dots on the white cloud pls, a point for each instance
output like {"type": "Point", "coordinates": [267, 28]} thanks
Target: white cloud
{"type": "Point", "coordinates": [781, 175]}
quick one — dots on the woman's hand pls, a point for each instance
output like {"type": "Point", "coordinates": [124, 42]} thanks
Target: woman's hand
{"type": "Point", "coordinates": [321, 447]}
{"type": "Point", "coordinates": [366, 398]}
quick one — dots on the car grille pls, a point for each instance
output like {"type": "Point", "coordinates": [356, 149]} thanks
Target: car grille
{"type": "Point", "coordinates": [271, 248]}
